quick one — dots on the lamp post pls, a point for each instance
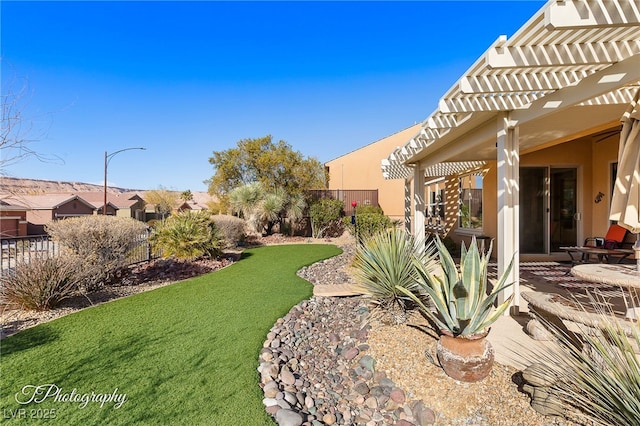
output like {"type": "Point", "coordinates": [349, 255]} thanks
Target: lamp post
{"type": "Point", "coordinates": [107, 158]}
{"type": "Point", "coordinates": [354, 204]}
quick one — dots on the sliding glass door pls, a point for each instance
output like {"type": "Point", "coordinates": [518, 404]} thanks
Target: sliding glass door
{"type": "Point", "coordinates": [548, 209]}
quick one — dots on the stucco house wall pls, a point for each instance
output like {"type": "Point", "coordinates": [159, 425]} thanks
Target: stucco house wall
{"type": "Point", "coordinates": [360, 169]}
{"type": "Point", "coordinates": [593, 157]}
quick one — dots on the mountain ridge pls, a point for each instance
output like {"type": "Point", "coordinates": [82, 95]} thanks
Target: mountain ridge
{"type": "Point", "coordinates": [26, 186]}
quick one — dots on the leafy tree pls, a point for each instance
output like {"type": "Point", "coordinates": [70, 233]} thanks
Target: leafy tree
{"type": "Point", "coordinates": [273, 164]}
{"type": "Point", "coordinates": [164, 200]}
{"type": "Point", "coordinates": [186, 195]}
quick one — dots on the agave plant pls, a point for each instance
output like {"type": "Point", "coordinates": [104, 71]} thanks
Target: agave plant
{"type": "Point", "coordinates": [462, 305]}
{"type": "Point", "coordinates": [386, 268]}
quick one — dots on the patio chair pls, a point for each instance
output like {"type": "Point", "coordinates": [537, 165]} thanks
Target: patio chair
{"type": "Point", "coordinates": [605, 249]}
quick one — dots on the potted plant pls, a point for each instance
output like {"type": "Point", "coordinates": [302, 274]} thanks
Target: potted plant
{"type": "Point", "coordinates": [463, 310]}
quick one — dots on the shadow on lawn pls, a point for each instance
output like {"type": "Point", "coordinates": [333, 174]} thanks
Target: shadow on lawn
{"type": "Point", "coordinates": [28, 339]}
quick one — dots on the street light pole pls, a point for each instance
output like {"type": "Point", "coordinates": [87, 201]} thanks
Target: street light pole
{"type": "Point", "coordinates": [107, 158]}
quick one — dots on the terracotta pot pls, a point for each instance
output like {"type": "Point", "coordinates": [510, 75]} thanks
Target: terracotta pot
{"type": "Point", "coordinates": [468, 359]}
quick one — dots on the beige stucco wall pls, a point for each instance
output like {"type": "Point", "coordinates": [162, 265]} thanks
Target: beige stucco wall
{"type": "Point", "coordinates": [360, 169]}
{"type": "Point", "coordinates": [604, 154]}
{"type": "Point", "coordinates": [593, 160]}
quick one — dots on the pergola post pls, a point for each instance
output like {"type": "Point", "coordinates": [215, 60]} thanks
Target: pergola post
{"type": "Point", "coordinates": [419, 231]}
{"type": "Point", "coordinates": [508, 158]}
{"type": "Point", "coordinates": [407, 205]}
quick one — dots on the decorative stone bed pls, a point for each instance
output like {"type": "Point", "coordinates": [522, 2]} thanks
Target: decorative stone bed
{"type": "Point", "coordinates": [317, 371]}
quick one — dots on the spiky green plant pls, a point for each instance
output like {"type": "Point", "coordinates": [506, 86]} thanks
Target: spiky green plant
{"type": "Point", "coordinates": [385, 266]}
{"type": "Point", "coordinates": [462, 305]}
{"type": "Point", "coordinates": [187, 235]}
{"type": "Point", "coordinates": [598, 376]}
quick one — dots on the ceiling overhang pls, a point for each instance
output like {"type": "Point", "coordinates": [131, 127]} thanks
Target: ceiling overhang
{"type": "Point", "coordinates": [570, 54]}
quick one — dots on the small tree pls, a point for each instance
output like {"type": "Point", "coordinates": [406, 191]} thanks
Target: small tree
{"type": "Point", "coordinates": [263, 208]}
{"type": "Point", "coordinates": [165, 201]}
{"type": "Point", "coordinates": [273, 164]}
{"type": "Point", "coordinates": [17, 131]}
{"type": "Point", "coordinates": [325, 214]}
{"type": "Point", "coordinates": [295, 210]}
{"type": "Point", "coordinates": [245, 200]}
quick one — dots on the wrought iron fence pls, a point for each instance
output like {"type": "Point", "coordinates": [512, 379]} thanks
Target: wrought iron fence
{"type": "Point", "coordinates": [18, 250]}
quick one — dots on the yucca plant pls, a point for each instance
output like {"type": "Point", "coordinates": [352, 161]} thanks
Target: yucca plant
{"type": "Point", "coordinates": [598, 376]}
{"type": "Point", "coordinates": [386, 268]}
{"type": "Point", "coordinates": [462, 305]}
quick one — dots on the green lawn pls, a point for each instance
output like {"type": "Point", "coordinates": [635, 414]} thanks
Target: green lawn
{"type": "Point", "coordinates": [183, 354]}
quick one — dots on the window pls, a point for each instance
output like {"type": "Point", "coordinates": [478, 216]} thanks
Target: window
{"type": "Point", "coordinates": [435, 204]}
{"type": "Point", "coordinates": [470, 211]}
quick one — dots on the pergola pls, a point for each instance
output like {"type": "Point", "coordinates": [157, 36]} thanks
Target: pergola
{"type": "Point", "coordinates": [568, 71]}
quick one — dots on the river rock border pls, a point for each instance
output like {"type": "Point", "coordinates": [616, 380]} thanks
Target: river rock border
{"type": "Point", "coordinates": [315, 370]}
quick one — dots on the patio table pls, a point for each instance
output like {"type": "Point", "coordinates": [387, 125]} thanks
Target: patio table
{"type": "Point", "coordinates": [618, 275]}
{"type": "Point", "coordinates": [604, 273]}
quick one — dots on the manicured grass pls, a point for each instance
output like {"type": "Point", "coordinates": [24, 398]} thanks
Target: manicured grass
{"type": "Point", "coordinates": [183, 354]}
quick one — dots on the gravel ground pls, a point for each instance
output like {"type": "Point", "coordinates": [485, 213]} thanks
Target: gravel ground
{"type": "Point", "coordinates": [400, 351]}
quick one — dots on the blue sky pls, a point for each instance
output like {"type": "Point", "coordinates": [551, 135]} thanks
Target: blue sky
{"type": "Point", "coordinates": [184, 79]}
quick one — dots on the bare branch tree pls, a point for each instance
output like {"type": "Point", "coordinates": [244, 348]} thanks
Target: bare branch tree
{"type": "Point", "coordinates": [17, 132]}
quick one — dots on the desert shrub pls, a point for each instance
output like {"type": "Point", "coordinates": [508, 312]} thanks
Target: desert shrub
{"type": "Point", "coordinates": [231, 227]}
{"type": "Point", "coordinates": [187, 235]}
{"type": "Point", "coordinates": [41, 283]}
{"type": "Point", "coordinates": [385, 263]}
{"type": "Point", "coordinates": [369, 209]}
{"type": "Point", "coordinates": [367, 225]}
{"type": "Point", "coordinates": [596, 372]}
{"type": "Point", "coordinates": [102, 242]}
{"type": "Point", "coordinates": [325, 218]}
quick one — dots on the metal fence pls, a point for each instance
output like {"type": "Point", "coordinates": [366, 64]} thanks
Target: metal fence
{"type": "Point", "coordinates": [364, 197]}
{"type": "Point", "coordinates": [19, 250]}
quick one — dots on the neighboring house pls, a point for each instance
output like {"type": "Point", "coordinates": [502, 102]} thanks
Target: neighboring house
{"type": "Point", "coordinates": [130, 204]}
{"type": "Point", "coordinates": [360, 170]}
{"type": "Point", "coordinates": [125, 204]}
{"type": "Point", "coordinates": [523, 148]}
{"type": "Point", "coordinates": [13, 219]}
{"type": "Point", "coordinates": [42, 209]}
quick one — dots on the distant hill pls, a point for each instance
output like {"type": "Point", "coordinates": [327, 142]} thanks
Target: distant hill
{"type": "Point", "coordinates": [22, 186]}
